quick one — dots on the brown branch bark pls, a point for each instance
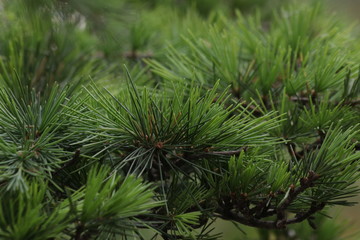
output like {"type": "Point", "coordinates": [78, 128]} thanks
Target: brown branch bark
{"type": "Point", "coordinates": [315, 207]}
{"type": "Point", "coordinates": [305, 183]}
{"type": "Point", "coordinates": [238, 210]}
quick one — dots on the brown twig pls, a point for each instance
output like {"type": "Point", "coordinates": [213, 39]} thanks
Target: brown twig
{"type": "Point", "coordinates": [315, 207]}
{"type": "Point", "coordinates": [73, 161]}
{"type": "Point", "coordinates": [305, 183]}
{"type": "Point", "coordinates": [237, 209]}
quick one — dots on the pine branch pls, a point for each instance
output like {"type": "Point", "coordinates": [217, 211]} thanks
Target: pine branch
{"type": "Point", "coordinates": [239, 210]}
{"type": "Point", "coordinates": [315, 207]}
{"type": "Point", "coordinates": [305, 183]}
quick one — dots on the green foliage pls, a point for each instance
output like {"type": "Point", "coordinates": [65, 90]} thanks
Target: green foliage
{"type": "Point", "coordinates": [108, 204]}
{"type": "Point", "coordinates": [226, 110]}
{"type": "Point", "coordinates": [165, 128]}
{"type": "Point", "coordinates": [32, 137]}
{"type": "Point", "coordinates": [334, 160]}
{"type": "Point", "coordinates": [106, 207]}
{"type": "Point", "coordinates": [24, 216]}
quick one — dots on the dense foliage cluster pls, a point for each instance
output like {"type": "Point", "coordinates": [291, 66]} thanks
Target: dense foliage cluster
{"type": "Point", "coordinates": [152, 119]}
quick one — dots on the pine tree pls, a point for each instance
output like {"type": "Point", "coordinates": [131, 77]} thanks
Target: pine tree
{"type": "Point", "coordinates": [153, 119]}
